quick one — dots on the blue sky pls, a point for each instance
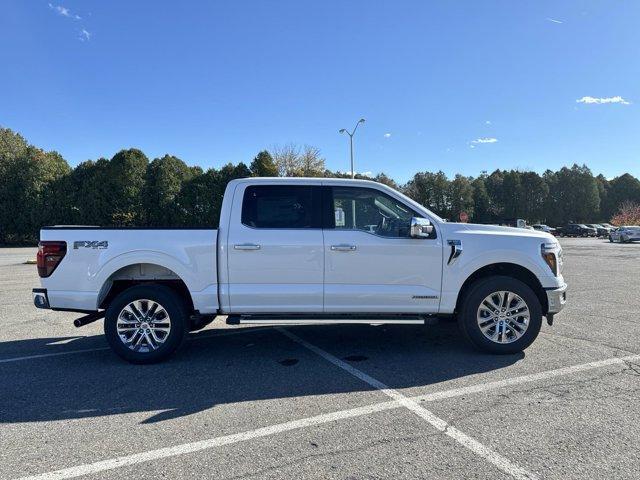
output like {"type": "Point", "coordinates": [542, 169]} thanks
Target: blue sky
{"type": "Point", "coordinates": [214, 82]}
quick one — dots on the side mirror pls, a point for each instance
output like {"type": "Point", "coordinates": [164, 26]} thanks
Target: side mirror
{"type": "Point", "coordinates": [420, 228]}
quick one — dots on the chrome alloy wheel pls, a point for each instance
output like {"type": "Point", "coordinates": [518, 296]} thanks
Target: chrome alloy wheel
{"type": "Point", "coordinates": [143, 325]}
{"type": "Point", "coordinates": [503, 317]}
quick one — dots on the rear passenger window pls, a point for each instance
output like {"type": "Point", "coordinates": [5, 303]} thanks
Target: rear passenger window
{"type": "Point", "coordinates": [281, 206]}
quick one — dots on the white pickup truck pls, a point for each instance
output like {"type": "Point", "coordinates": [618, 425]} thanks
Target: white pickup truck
{"type": "Point", "coordinates": [302, 251]}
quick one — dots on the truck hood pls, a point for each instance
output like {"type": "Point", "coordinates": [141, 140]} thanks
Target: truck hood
{"type": "Point", "coordinates": [451, 228]}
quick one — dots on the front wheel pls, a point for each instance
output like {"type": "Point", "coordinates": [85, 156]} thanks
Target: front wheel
{"type": "Point", "coordinates": [146, 323]}
{"type": "Point", "coordinates": [500, 315]}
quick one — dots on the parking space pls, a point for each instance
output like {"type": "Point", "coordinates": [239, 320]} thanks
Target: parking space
{"type": "Point", "coordinates": [330, 402]}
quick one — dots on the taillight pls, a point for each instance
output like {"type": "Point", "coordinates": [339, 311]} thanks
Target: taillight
{"type": "Point", "coordinates": [50, 254]}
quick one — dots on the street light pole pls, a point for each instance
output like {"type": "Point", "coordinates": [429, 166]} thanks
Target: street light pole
{"type": "Point", "coordinates": [353, 173]}
{"type": "Point", "coordinates": [351, 134]}
{"type": "Point", "coordinates": [351, 151]}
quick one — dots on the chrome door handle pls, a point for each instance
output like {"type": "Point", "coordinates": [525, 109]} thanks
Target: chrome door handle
{"type": "Point", "coordinates": [246, 246]}
{"type": "Point", "coordinates": [343, 247]}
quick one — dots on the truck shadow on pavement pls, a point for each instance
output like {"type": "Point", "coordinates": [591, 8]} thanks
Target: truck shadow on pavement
{"type": "Point", "coordinates": [215, 368]}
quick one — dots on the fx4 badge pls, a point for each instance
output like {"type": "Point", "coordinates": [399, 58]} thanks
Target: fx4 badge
{"type": "Point", "coordinates": [95, 244]}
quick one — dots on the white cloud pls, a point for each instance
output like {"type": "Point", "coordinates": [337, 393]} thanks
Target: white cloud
{"type": "Point", "coordinates": [487, 122]}
{"type": "Point", "coordinates": [554, 20]}
{"type": "Point", "coordinates": [485, 140]}
{"type": "Point", "coordinates": [387, 135]}
{"type": "Point", "coordinates": [84, 36]}
{"type": "Point", "coordinates": [602, 100]}
{"type": "Point", "coordinates": [64, 12]}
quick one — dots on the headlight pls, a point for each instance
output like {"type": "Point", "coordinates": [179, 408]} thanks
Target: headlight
{"type": "Point", "coordinates": [548, 252]}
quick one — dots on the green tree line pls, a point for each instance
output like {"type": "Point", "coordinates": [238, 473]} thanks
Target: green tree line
{"type": "Point", "coordinates": [40, 188]}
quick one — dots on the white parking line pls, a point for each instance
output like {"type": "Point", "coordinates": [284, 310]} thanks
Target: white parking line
{"type": "Point", "coordinates": [54, 354]}
{"type": "Point", "coordinates": [64, 341]}
{"type": "Point", "coordinates": [136, 458]}
{"type": "Point", "coordinates": [533, 377]}
{"type": "Point", "coordinates": [99, 349]}
{"type": "Point", "coordinates": [462, 438]}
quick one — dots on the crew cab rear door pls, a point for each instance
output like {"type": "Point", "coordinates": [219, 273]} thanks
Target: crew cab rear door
{"type": "Point", "coordinates": [275, 249]}
{"type": "Point", "coordinates": [372, 265]}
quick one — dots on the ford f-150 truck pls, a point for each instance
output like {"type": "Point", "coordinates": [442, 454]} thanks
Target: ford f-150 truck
{"type": "Point", "coordinates": [303, 251]}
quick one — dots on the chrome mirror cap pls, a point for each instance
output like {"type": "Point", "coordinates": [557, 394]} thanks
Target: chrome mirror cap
{"type": "Point", "coordinates": [420, 228]}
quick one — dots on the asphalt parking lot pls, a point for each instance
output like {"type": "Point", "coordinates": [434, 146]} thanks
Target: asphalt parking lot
{"type": "Point", "coordinates": [343, 402]}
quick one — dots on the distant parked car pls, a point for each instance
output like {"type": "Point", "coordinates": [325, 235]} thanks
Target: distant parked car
{"type": "Point", "coordinates": [600, 229]}
{"type": "Point", "coordinates": [625, 234]}
{"type": "Point", "coordinates": [577, 230]}
{"type": "Point", "coordinates": [544, 228]}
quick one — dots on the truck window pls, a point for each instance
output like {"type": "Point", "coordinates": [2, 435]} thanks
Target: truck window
{"type": "Point", "coordinates": [282, 206]}
{"type": "Point", "coordinates": [371, 211]}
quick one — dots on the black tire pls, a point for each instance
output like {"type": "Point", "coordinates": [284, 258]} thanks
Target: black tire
{"type": "Point", "coordinates": [174, 305]}
{"type": "Point", "coordinates": [467, 318]}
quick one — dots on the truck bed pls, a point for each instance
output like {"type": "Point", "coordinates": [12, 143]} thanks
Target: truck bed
{"type": "Point", "coordinates": [96, 257]}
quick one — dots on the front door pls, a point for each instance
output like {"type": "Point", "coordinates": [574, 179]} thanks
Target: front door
{"type": "Point", "coordinates": [275, 250]}
{"type": "Point", "coordinates": [372, 265]}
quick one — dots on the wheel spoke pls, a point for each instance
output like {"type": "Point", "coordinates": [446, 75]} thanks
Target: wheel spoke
{"type": "Point", "coordinates": [139, 338]}
{"type": "Point", "coordinates": [135, 309]}
{"type": "Point", "coordinates": [131, 312]}
{"type": "Point", "coordinates": [517, 327]}
{"type": "Point", "coordinates": [485, 308]}
{"type": "Point", "coordinates": [494, 336]}
{"type": "Point", "coordinates": [126, 328]}
{"type": "Point", "coordinates": [500, 296]}
{"type": "Point", "coordinates": [518, 306]}
{"type": "Point", "coordinates": [159, 314]}
{"type": "Point", "coordinates": [150, 343]}
{"type": "Point", "coordinates": [130, 340]}
{"type": "Point", "coordinates": [485, 329]}
{"type": "Point", "coordinates": [123, 319]}
{"type": "Point", "coordinates": [490, 302]}
{"type": "Point", "coordinates": [516, 333]}
{"type": "Point", "coordinates": [507, 300]}
{"type": "Point", "coordinates": [159, 338]}
{"type": "Point", "coordinates": [152, 309]}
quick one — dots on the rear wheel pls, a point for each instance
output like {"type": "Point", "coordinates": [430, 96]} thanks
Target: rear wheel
{"type": "Point", "coordinates": [500, 315]}
{"type": "Point", "coordinates": [146, 323]}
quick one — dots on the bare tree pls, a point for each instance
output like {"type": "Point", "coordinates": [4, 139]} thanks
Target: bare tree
{"type": "Point", "coordinates": [311, 162]}
{"type": "Point", "coordinates": [286, 159]}
{"type": "Point", "coordinates": [294, 161]}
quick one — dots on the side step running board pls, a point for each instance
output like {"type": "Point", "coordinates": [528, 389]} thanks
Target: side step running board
{"type": "Point", "coordinates": [332, 319]}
